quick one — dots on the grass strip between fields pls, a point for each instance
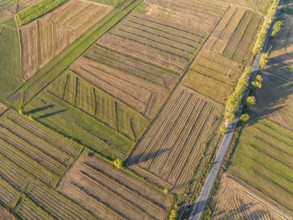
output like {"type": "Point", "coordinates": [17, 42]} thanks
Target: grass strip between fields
{"type": "Point", "coordinates": [55, 67]}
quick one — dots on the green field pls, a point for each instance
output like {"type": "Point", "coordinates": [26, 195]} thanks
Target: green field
{"type": "Point", "coordinates": [263, 159]}
{"type": "Point", "coordinates": [10, 76]}
{"type": "Point", "coordinates": [36, 10]}
{"type": "Point", "coordinates": [114, 3]}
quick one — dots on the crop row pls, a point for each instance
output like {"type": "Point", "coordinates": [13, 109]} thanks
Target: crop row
{"type": "Point", "coordinates": [132, 66]}
{"type": "Point", "coordinates": [29, 210]}
{"type": "Point", "coordinates": [188, 121]}
{"type": "Point", "coordinates": [68, 147]}
{"type": "Point", "coordinates": [79, 126]}
{"type": "Point", "coordinates": [55, 203]}
{"type": "Point", "coordinates": [80, 94]}
{"type": "Point", "coordinates": [8, 195]}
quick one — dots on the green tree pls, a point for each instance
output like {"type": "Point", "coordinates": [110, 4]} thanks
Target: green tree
{"type": "Point", "coordinates": [118, 163]}
{"type": "Point", "coordinates": [244, 117]}
{"type": "Point", "coordinates": [20, 111]}
{"type": "Point", "coordinates": [250, 100]}
{"type": "Point", "coordinates": [277, 27]}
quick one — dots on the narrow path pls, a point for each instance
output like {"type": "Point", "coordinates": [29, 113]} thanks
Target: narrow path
{"type": "Point", "coordinates": [203, 198]}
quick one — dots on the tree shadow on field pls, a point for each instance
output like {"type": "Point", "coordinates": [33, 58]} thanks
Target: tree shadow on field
{"type": "Point", "coordinates": [245, 211]}
{"type": "Point", "coordinates": [52, 114]}
{"type": "Point", "coordinates": [142, 157]}
{"type": "Point", "coordinates": [36, 110]}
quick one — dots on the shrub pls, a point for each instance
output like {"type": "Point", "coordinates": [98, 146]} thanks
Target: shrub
{"type": "Point", "coordinates": [20, 111]}
{"type": "Point", "coordinates": [244, 117]}
{"type": "Point", "coordinates": [118, 163]}
{"type": "Point", "coordinates": [166, 191]}
{"type": "Point", "coordinates": [250, 100]}
{"type": "Point", "coordinates": [173, 214]}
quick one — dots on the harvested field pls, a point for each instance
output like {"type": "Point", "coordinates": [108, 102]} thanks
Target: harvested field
{"type": "Point", "coordinates": [56, 114]}
{"type": "Point", "coordinates": [114, 3]}
{"type": "Point", "coordinates": [202, 16]}
{"type": "Point", "coordinates": [260, 5]}
{"type": "Point", "coordinates": [235, 201]}
{"type": "Point", "coordinates": [46, 37]}
{"type": "Point", "coordinates": [151, 40]}
{"type": "Point", "coordinates": [213, 75]}
{"type": "Point", "coordinates": [114, 114]}
{"type": "Point", "coordinates": [110, 193]}
{"type": "Point", "coordinates": [5, 214]}
{"type": "Point", "coordinates": [171, 149]}
{"type": "Point", "coordinates": [133, 66]}
{"type": "Point", "coordinates": [263, 159]}
{"type": "Point", "coordinates": [235, 34]}
{"type": "Point", "coordinates": [34, 148]}
{"type": "Point", "coordinates": [141, 96]}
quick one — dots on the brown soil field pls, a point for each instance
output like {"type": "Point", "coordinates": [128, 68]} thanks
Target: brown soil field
{"type": "Point", "coordinates": [46, 37]}
{"type": "Point", "coordinates": [5, 214]}
{"type": "Point", "coordinates": [142, 96]}
{"type": "Point", "coordinates": [110, 193]}
{"type": "Point", "coordinates": [173, 145]}
{"type": "Point", "coordinates": [235, 201]}
{"type": "Point", "coordinates": [152, 40]}
{"type": "Point", "coordinates": [202, 16]}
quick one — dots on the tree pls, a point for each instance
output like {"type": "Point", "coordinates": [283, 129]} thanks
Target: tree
{"type": "Point", "coordinates": [118, 163]}
{"type": "Point", "coordinates": [30, 118]}
{"type": "Point", "coordinates": [250, 100]}
{"type": "Point", "coordinates": [20, 111]}
{"type": "Point", "coordinates": [277, 27]}
{"type": "Point", "coordinates": [244, 117]}
{"type": "Point", "coordinates": [263, 60]}
{"type": "Point", "coordinates": [166, 191]}
{"type": "Point", "coordinates": [173, 214]}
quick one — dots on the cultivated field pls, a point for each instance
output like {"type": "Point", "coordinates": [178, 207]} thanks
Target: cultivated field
{"type": "Point", "coordinates": [141, 96]}
{"type": "Point", "coordinates": [110, 193]}
{"type": "Point", "coordinates": [34, 148]}
{"type": "Point", "coordinates": [10, 76]}
{"type": "Point", "coordinates": [263, 159]}
{"type": "Point", "coordinates": [33, 158]}
{"type": "Point", "coordinates": [151, 39]}
{"type": "Point", "coordinates": [238, 202]}
{"type": "Point", "coordinates": [46, 37]}
{"type": "Point", "coordinates": [171, 149]}
{"type": "Point", "coordinates": [5, 214]}
{"type": "Point", "coordinates": [198, 15]}
{"type": "Point", "coordinates": [218, 67]}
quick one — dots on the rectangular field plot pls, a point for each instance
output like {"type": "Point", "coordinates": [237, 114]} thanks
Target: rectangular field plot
{"type": "Point", "coordinates": [82, 95]}
{"type": "Point", "coordinates": [197, 15]}
{"type": "Point", "coordinates": [259, 5]}
{"type": "Point", "coordinates": [172, 147]}
{"type": "Point", "coordinates": [141, 96]}
{"type": "Point", "coordinates": [110, 193]}
{"type": "Point", "coordinates": [34, 148]}
{"type": "Point", "coordinates": [46, 37]}
{"type": "Point", "coordinates": [213, 75]}
{"type": "Point", "coordinates": [62, 117]}
{"type": "Point", "coordinates": [263, 159]}
{"type": "Point", "coordinates": [234, 35]}
{"type": "Point", "coordinates": [167, 45]}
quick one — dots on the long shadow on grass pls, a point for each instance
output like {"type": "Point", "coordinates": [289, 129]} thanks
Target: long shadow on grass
{"type": "Point", "coordinates": [132, 160]}
{"type": "Point", "coordinates": [52, 114]}
{"type": "Point", "coordinates": [36, 110]}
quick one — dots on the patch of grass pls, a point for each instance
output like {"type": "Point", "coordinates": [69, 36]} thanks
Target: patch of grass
{"type": "Point", "coordinates": [263, 159]}
{"type": "Point", "coordinates": [37, 10]}
{"type": "Point", "coordinates": [10, 76]}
